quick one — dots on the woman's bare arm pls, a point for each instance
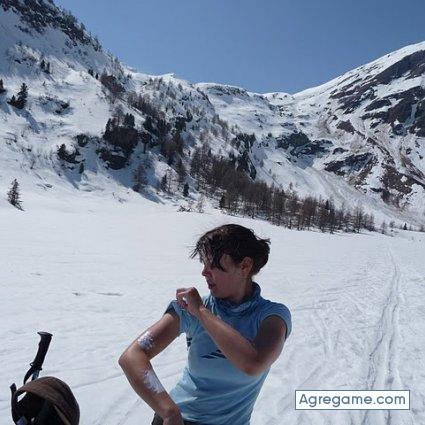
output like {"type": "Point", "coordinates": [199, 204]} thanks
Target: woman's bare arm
{"type": "Point", "coordinates": [252, 357]}
{"type": "Point", "coordinates": [135, 362]}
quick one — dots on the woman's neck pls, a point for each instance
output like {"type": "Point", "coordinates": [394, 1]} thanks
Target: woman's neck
{"type": "Point", "coordinates": [244, 294]}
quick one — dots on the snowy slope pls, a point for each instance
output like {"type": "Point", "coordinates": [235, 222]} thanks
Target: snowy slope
{"type": "Point", "coordinates": [69, 102]}
{"type": "Point", "coordinates": [366, 126]}
{"type": "Point", "coordinates": [96, 272]}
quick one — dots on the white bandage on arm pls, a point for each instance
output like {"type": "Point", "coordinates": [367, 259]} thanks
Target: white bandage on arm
{"type": "Point", "coordinates": [152, 382]}
{"type": "Point", "coordinates": [145, 341]}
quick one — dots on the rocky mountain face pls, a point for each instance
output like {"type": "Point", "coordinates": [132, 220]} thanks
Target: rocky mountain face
{"type": "Point", "coordinates": [366, 126]}
{"type": "Point", "coordinates": [36, 16]}
{"type": "Point", "coordinates": [358, 139]}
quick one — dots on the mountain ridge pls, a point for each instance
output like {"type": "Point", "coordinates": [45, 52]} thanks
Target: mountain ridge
{"type": "Point", "coordinates": [319, 142]}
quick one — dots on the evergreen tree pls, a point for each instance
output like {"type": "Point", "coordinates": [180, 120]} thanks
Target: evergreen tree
{"type": "Point", "coordinates": [13, 195]}
{"type": "Point", "coordinates": [179, 142]}
{"type": "Point", "coordinates": [222, 203]}
{"type": "Point", "coordinates": [140, 178]}
{"type": "Point", "coordinates": [62, 152]}
{"type": "Point", "coordinates": [21, 99]}
{"type": "Point", "coordinates": [22, 96]}
{"type": "Point", "coordinates": [129, 120]}
{"type": "Point", "coordinates": [181, 171]}
{"type": "Point", "coordinates": [186, 190]}
{"type": "Point", "coordinates": [405, 226]}
{"type": "Point", "coordinates": [164, 183]}
{"type": "Point", "coordinates": [2, 89]}
{"type": "Point", "coordinates": [196, 164]}
{"type": "Point", "coordinates": [64, 155]}
{"type": "Point", "coordinates": [145, 138]}
{"type": "Point", "coordinates": [148, 125]}
{"type": "Point", "coordinates": [170, 159]}
{"type": "Point", "coordinates": [162, 129]}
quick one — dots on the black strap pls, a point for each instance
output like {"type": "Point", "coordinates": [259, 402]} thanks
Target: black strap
{"type": "Point", "coordinates": [17, 416]}
{"type": "Point", "coordinates": [13, 404]}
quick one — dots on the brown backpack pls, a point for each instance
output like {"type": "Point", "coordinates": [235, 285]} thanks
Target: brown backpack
{"type": "Point", "coordinates": [47, 401]}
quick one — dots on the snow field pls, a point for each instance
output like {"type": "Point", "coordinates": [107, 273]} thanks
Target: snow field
{"type": "Point", "coordinates": [96, 273]}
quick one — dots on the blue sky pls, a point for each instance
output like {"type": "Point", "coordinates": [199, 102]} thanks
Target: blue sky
{"type": "Point", "coordinates": [273, 45]}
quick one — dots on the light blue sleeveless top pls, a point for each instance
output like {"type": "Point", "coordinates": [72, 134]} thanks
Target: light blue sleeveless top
{"type": "Point", "coordinates": [212, 391]}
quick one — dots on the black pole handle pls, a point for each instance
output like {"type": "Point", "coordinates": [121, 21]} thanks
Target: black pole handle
{"type": "Point", "coordinates": [37, 363]}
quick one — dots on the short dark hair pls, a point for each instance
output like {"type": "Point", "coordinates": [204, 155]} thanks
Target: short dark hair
{"type": "Point", "coordinates": [236, 241]}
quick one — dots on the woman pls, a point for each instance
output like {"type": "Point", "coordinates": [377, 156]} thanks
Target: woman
{"type": "Point", "coordinates": [233, 337]}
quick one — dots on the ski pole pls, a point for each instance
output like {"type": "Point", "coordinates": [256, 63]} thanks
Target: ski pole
{"type": "Point", "coordinates": [37, 363]}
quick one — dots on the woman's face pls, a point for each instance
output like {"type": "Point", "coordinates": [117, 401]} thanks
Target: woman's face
{"type": "Point", "coordinates": [223, 284]}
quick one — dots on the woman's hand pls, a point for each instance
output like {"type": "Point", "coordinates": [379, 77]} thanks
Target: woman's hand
{"type": "Point", "coordinates": [189, 299]}
{"type": "Point", "coordinates": [174, 419]}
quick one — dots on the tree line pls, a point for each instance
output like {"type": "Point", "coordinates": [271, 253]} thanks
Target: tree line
{"type": "Point", "coordinates": [236, 193]}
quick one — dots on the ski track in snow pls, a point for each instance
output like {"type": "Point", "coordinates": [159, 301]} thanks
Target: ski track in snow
{"type": "Point", "coordinates": [97, 280]}
{"type": "Point", "coordinates": [383, 369]}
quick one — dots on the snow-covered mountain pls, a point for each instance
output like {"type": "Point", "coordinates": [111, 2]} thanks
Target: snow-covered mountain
{"type": "Point", "coordinates": [90, 121]}
{"type": "Point", "coordinates": [367, 126]}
